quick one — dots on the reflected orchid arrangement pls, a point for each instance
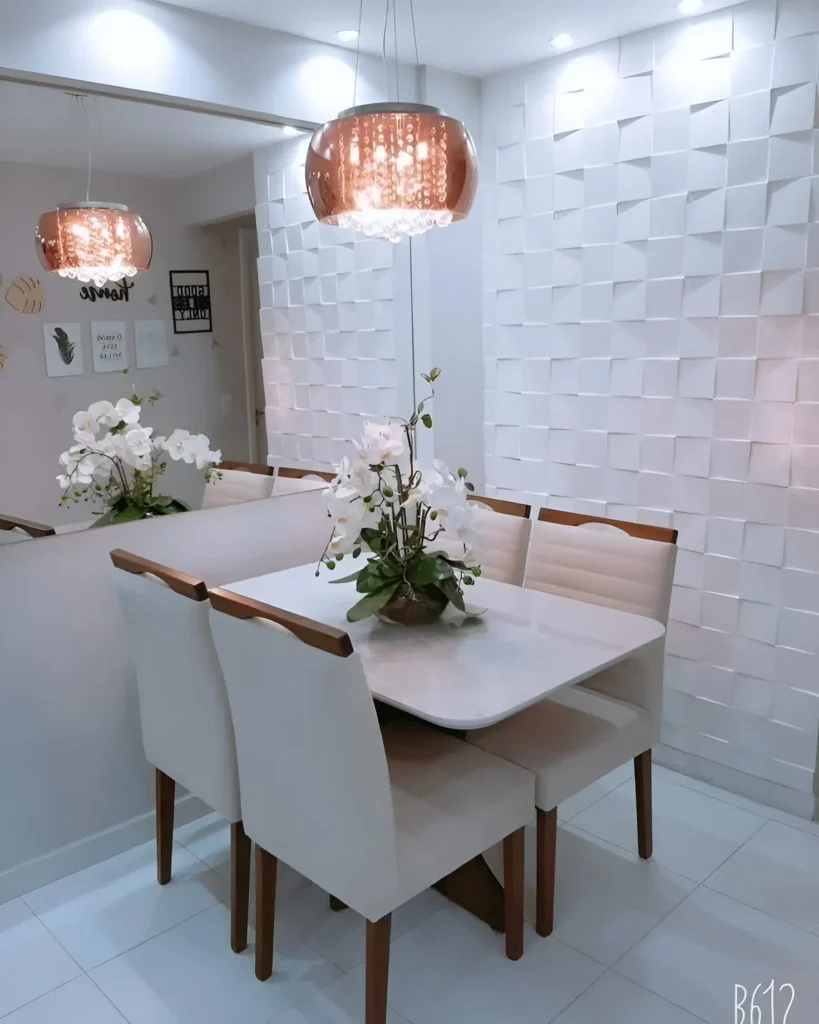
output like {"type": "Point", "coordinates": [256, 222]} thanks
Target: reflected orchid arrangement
{"type": "Point", "coordinates": [118, 461]}
{"type": "Point", "coordinates": [383, 502]}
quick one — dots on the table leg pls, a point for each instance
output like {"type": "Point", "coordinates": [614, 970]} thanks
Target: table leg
{"type": "Point", "coordinates": [475, 888]}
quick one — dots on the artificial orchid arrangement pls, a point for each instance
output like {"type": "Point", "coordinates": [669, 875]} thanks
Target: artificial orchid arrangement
{"type": "Point", "coordinates": [118, 461]}
{"type": "Point", "coordinates": [383, 502]}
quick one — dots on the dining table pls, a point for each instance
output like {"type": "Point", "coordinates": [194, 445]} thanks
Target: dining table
{"type": "Point", "coordinates": [514, 647]}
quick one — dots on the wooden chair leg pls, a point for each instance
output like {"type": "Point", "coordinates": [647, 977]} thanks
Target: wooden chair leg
{"type": "Point", "coordinates": [266, 869]}
{"type": "Point", "coordinates": [240, 847]}
{"type": "Point", "coordinates": [642, 789]}
{"type": "Point", "coordinates": [336, 904]}
{"type": "Point", "coordinates": [165, 793]}
{"type": "Point", "coordinates": [546, 862]}
{"type": "Point", "coordinates": [513, 893]}
{"type": "Point", "coordinates": [378, 970]}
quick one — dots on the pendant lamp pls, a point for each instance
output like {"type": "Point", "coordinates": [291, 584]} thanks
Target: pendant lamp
{"type": "Point", "coordinates": [391, 169]}
{"type": "Point", "coordinates": [93, 242]}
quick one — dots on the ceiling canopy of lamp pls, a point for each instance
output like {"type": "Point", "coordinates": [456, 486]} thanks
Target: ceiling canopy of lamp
{"type": "Point", "coordinates": [391, 169]}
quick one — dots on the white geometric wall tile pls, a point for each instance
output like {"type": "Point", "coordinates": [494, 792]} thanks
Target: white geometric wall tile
{"type": "Point", "coordinates": [653, 307]}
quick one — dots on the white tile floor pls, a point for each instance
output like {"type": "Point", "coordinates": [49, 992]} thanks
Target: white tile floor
{"type": "Point", "coordinates": [730, 898]}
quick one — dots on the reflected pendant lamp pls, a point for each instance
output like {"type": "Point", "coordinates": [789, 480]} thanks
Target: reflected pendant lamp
{"type": "Point", "coordinates": [93, 242]}
{"type": "Point", "coordinates": [391, 170]}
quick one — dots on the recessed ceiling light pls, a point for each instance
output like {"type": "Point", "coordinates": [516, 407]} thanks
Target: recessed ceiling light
{"type": "Point", "coordinates": [689, 6]}
{"type": "Point", "coordinates": [347, 35]}
{"type": "Point", "coordinates": [288, 129]}
{"type": "Point", "coordinates": [562, 41]}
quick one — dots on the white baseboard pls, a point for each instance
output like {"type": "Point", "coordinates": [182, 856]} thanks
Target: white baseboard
{"type": "Point", "coordinates": [32, 874]}
{"type": "Point", "coordinates": [771, 794]}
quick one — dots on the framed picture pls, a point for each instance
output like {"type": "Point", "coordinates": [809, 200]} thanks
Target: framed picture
{"type": "Point", "coordinates": [63, 349]}
{"type": "Point", "coordinates": [109, 346]}
{"type": "Point", "coordinates": [151, 343]}
{"type": "Point", "coordinates": [190, 302]}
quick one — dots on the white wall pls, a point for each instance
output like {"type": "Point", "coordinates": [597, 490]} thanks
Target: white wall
{"type": "Point", "coordinates": [36, 409]}
{"type": "Point", "coordinates": [220, 193]}
{"type": "Point", "coordinates": [71, 756]}
{"type": "Point", "coordinates": [652, 346]}
{"type": "Point", "coordinates": [152, 47]}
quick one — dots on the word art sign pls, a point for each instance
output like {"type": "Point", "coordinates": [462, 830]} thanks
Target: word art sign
{"type": "Point", "coordinates": [108, 343]}
{"type": "Point", "coordinates": [118, 292]}
{"type": "Point", "coordinates": [190, 301]}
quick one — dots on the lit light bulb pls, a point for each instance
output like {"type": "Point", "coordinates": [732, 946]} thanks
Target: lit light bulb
{"type": "Point", "coordinates": [562, 41]}
{"type": "Point", "coordinates": [347, 35]}
{"type": "Point", "coordinates": [689, 6]}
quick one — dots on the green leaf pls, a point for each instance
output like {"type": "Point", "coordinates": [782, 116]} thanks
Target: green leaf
{"type": "Point", "coordinates": [351, 578]}
{"type": "Point", "coordinates": [373, 577]}
{"type": "Point", "coordinates": [426, 419]}
{"type": "Point", "coordinates": [423, 571]}
{"type": "Point", "coordinates": [469, 486]}
{"type": "Point", "coordinates": [129, 515]}
{"type": "Point", "coordinates": [370, 604]}
{"type": "Point", "coordinates": [451, 590]}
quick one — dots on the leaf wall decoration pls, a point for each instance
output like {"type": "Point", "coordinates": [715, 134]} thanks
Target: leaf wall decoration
{"type": "Point", "coordinates": [25, 295]}
{"type": "Point", "coordinates": [65, 345]}
{"type": "Point", "coordinates": [2, 357]}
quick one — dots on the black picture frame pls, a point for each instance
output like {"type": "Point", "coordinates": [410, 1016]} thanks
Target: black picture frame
{"type": "Point", "coordinates": [198, 304]}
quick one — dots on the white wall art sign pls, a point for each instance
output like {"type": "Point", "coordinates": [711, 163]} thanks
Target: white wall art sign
{"type": "Point", "coordinates": [109, 345]}
{"type": "Point", "coordinates": [151, 343]}
{"type": "Point", "coordinates": [63, 349]}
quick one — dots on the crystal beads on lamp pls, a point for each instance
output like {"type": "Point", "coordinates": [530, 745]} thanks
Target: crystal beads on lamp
{"type": "Point", "coordinates": [391, 170]}
{"type": "Point", "coordinates": [93, 242]}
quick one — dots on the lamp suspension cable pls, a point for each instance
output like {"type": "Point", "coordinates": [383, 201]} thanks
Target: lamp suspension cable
{"type": "Point", "coordinates": [395, 47]}
{"type": "Point", "coordinates": [384, 49]}
{"type": "Point", "coordinates": [358, 50]}
{"type": "Point", "coordinates": [414, 33]}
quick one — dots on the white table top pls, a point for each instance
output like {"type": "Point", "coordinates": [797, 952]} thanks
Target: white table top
{"type": "Point", "coordinates": [467, 673]}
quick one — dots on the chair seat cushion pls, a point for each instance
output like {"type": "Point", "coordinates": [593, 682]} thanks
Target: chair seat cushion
{"type": "Point", "coordinates": [451, 800]}
{"type": "Point", "coordinates": [569, 740]}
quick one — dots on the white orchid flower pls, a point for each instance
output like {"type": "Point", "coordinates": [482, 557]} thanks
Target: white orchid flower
{"type": "Point", "coordinates": [138, 440]}
{"type": "Point", "coordinates": [64, 482]}
{"type": "Point", "coordinates": [382, 443]}
{"type": "Point", "coordinates": [175, 445]}
{"type": "Point", "coordinates": [127, 412]}
{"type": "Point", "coordinates": [85, 425]}
{"type": "Point", "coordinates": [103, 414]}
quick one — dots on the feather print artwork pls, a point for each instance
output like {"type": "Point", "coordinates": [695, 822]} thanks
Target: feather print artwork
{"type": "Point", "coordinates": [25, 295]}
{"type": "Point", "coordinates": [64, 345]}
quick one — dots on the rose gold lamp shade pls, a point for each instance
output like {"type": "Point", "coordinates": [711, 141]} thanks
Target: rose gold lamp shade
{"type": "Point", "coordinates": [93, 242]}
{"type": "Point", "coordinates": [391, 169]}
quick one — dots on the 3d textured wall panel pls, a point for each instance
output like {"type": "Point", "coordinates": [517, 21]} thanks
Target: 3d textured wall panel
{"type": "Point", "coordinates": [652, 342]}
{"type": "Point", "coordinates": [326, 317]}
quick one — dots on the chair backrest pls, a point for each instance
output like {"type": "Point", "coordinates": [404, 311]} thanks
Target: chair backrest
{"type": "Point", "coordinates": [187, 730]}
{"type": "Point", "coordinates": [13, 529]}
{"type": "Point", "coordinates": [603, 561]}
{"type": "Point", "coordinates": [610, 562]}
{"type": "Point", "coordinates": [315, 784]}
{"type": "Point", "coordinates": [503, 530]}
{"type": "Point", "coordinates": [232, 486]}
{"type": "Point", "coordinates": [289, 479]}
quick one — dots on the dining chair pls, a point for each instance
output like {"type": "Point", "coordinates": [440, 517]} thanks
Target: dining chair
{"type": "Point", "coordinates": [290, 479]}
{"type": "Point", "coordinates": [187, 729]}
{"type": "Point", "coordinates": [587, 730]}
{"type": "Point", "coordinates": [235, 482]}
{"type": "Point", "coordinates": [13, 529]}
{"type": "Point", "coordinates": [503, 528]}
{"type": "Point", "coordinates": [373, 817]}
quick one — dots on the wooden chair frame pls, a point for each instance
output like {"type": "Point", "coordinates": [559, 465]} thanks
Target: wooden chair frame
{"type": "Point", "coordinates": [506, 508]}
{"type": "Point", "coordinates": [32, 529]}
{"type": "Point", "coordinates": [645, 532]}
{"type": "Point", "coordinates": [316, 634]}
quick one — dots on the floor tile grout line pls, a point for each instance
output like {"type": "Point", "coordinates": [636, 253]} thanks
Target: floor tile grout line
{"type": "Point", "coordinates": [657, 995]}
{"type": "Point", "coordinates": [42, 995]}
{"type": "Point", "coordinates": [108, 999]}
{"type": "Point", "coordinates": [53, 936]}
{"type": "Point", "coordinates": [765, 913]}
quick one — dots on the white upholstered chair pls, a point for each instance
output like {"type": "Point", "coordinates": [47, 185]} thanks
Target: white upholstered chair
{"type": "Point", "coordinates": [235, 482]}
{"type": "Point", "coordinates": [588, 730]}
{"type": "Point", "coordinates": [13, 529]}
{"type": "Point", "coordinates": [372, 818]}
{"type": "Point", "coordinates": [503, 537]}
{"type": "Point", "coordinates": [187, 729]}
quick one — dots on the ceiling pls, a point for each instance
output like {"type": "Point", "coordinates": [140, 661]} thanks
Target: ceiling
{"type": "Point", "coordinates": [476, 37]}
{"type": "Point", "coordinates": [46, 126]}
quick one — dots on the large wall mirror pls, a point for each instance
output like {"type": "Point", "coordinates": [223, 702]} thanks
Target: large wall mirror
{"type": "Point", "coordinates": [191, 177]}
